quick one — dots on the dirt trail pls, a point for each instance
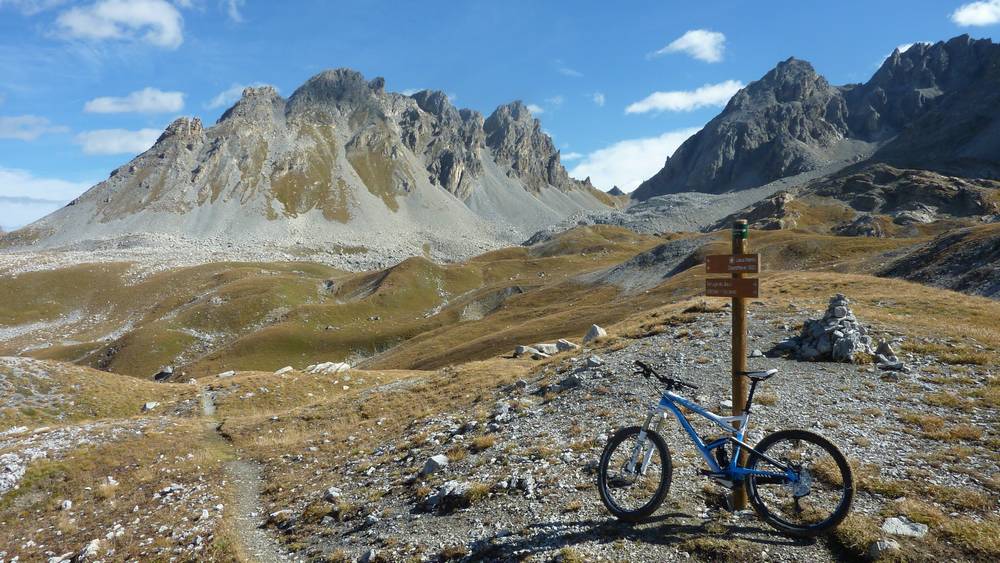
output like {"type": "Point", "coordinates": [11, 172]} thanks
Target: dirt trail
{"type": "Point", "coordinates": [247, 511]}
{"type": "Point", "coordinates": [249, 514]}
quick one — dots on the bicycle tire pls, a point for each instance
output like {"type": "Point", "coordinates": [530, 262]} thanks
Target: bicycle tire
{"type": "Point", "coordinates": [783, 525]}
{"type": "Point", "coordinates": [662, 488]}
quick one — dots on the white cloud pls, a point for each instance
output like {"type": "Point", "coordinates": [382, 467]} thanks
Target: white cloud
{"type": "Point", "coordinates": [233, 8]}
{"type": "Point", "coordinates": [701, 44]}
{"type": "Point", "coordinates": [27, 127]}
{"type": "Point", "coordinates": [227, 97]}
{"type": "Point", "coordinates": [563, 69]}
{"type": "Point", "coordinates": [117, 141]}
{"type": "Point", "coordinates": [147, 100]}
{"type": "Point", "coordinates": [555, 100]}
{"type": "Point", "coordinates": [598, 98]}
{"type": "Point", "coordinates": [535, 109]}
{"type": "Point", "coordinates": [25, 198]}
{"type": "Point", "coordinates": [687, 100]}
{"type": "Point", "coordinates": [570, 156]}
{"type": "Point", "coordinates": [154, 21]}
{"type": "Point", "coordinates": [986, 12]}
{"type": "Point", "coordinates": [627, 163]}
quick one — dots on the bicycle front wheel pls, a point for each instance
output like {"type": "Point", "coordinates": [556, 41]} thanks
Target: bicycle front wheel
{"type": "Point", "coordinates": [819, 497]}
{"type": "Point", "coordinates": [630, 487]}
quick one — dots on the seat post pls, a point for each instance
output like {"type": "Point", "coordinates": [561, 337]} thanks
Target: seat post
{"type": "Point", "coordinates": [753, 387]}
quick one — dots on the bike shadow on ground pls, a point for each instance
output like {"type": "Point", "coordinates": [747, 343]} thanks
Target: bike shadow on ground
{"type": "Point", "coordinates": [664, 529]}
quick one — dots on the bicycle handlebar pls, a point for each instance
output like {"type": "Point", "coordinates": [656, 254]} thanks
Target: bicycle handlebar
{"type": "Point", "coordinates": [671, 383]}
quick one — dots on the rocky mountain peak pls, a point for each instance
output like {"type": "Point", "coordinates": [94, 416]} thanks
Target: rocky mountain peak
{"type": "Point", "coordinates": [183, 128]}
{"type": "Point", "coordinates": [777, 126]}
{"type": "Point", "coordinates": [257, 104]}
{"type": "Point", "coordinates": [517, 139]}
{"type": "Point", "coordinates": [909, 83]}
{"type": "Point", "coordinates": [336, 88]}
{"type": "Point", "coordinates": [434, 102]}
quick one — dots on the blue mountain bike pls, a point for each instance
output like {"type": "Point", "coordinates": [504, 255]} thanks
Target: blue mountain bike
{"type": "Point", "coordinates": [796, 480]}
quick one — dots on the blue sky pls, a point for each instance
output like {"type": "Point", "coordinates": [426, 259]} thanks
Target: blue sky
{"type": "Point", "coordinates": [84, 86]}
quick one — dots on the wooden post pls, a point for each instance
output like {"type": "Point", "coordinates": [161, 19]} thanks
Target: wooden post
{"type": "Point", "coordinates": [740, 236]}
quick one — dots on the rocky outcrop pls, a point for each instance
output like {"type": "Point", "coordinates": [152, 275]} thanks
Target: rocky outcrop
{"type": "Point", "coordinates": [768, 214]}
{"type": "Point", "coordinates": [879, 188]}
{"type": "Point", "coordinates": [966, 260]}
{"type": "Point", "coordinates": [516, 139]}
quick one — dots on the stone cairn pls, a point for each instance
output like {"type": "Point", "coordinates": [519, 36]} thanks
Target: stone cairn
{"type": "Point", "coordinates": [839, 337]}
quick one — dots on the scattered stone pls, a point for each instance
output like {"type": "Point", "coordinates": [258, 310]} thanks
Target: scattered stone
{"type": "Point", "coordinates": [89, 551]}
{"type": "Point", "coordinates": [756, 353]}
{"type": "Point", "coordinates": [200, 515]}
{"type": "Point", "coordinates": [502, 413]}
{"type": "Point", "coordinates": [883, 548]}
{"type": "Point", "coordinates": [66, 505]}
{"type": "Point", "coordinates": [434, 464]}
{"type": "Point", "coordinates": [595, 362]}
{"type": "Point", "coordinates": [284, 370]}
{"type": "Point", "coordinates": [546, 348]}
{"type": "Point", "coordinates": [540, 356]}
{"type": "Point", "coordinates": [149, 406]}
{"type": "Point", "coordinates": [564, 345]}
{"type": "Point", "coordinates": [901, 526]}
{"type": "Point", "coordinates": [164, 374]}
{"type": "Point", "coordinates": [226, 374]}
{"type": "Point", "coordinates": [448, 497]}
{"type": "Point", "coordinates": [333, 494]}
{"type": "Point", "coordinates": [368, 556]}
{"type": "Point", "coordinates": [281, 519]}
{"type": "Point", "coordinates": [524, 351]}
{"type": "Point", "coordinates": [594, 333]}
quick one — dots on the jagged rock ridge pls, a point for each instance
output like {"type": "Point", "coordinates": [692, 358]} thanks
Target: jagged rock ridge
{"type": "Point", "coordinates": [931, 107]}
{"type": "Point", "coordinates": [341, 161]}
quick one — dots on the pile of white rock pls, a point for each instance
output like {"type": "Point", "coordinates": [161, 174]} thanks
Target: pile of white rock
{"type": "Point", "coordinates": [544, 350]}
{"type": "Point", "coordinates": [838, 337]}
{"type": "Point", "coordinates": [328, 368]}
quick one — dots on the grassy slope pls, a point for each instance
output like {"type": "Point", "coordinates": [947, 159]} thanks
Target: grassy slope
{"type": "Point", "coordinates": [216, 317]}
{"type": "Point", "coordinates": [40, 392]}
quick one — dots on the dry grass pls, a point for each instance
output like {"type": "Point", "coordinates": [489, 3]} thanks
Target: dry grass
{"type": "Point", "coordinates": [140, 464]}
{"type": "Point", "coordinates": [480, 443]}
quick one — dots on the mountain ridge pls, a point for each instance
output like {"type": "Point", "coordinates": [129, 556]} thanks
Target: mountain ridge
{"type": "Point", "coordinates": [340, 161]}
{"type": "Point", "coordinates": [933, 106]}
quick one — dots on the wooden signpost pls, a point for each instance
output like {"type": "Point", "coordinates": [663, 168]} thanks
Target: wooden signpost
{"type": "Point", "coordinates": [739, 289]}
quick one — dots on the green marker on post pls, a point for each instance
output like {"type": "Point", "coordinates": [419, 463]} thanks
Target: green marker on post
{"type": "Point", "coordinates": [741, 230]}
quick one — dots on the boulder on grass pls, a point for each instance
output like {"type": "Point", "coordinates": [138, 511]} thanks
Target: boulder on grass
{"type": "Point", "coordinates": [594, 333]}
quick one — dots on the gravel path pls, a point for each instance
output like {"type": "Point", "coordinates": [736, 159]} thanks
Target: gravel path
{"type": "Point", "coordinates": [250, 514]}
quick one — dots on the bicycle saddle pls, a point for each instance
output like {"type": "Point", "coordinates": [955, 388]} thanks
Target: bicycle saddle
{"type": "Point", "coordinates": [760, 375]}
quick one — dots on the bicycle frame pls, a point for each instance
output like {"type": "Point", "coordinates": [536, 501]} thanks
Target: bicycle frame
{"type": "Point", "coordinates": [733, 472]}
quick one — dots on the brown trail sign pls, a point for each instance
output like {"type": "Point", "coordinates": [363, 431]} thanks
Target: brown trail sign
{"type": "Point", "coordinates": [732, 263]}
{"type": "Point", "coordinates": [731, 287]}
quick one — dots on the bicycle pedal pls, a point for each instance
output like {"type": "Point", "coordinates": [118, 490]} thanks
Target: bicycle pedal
{"type": "Point", "coordinates": [719, 478]}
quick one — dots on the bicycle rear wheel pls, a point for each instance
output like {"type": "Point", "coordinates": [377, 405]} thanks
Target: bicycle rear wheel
{"type": "Point", "coordinates": [630, 493]}
{"type": "Point", "coordinates": [821, 496]}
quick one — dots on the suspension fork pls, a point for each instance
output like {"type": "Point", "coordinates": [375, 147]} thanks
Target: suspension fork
{"type": "Point", "coordinates": [644, 448]}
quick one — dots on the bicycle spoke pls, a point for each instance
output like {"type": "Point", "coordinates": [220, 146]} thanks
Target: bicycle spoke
{"type": "Point", "coordinates": [814, 496]}
{"type": "Point", "coordinates": [631, 490]}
